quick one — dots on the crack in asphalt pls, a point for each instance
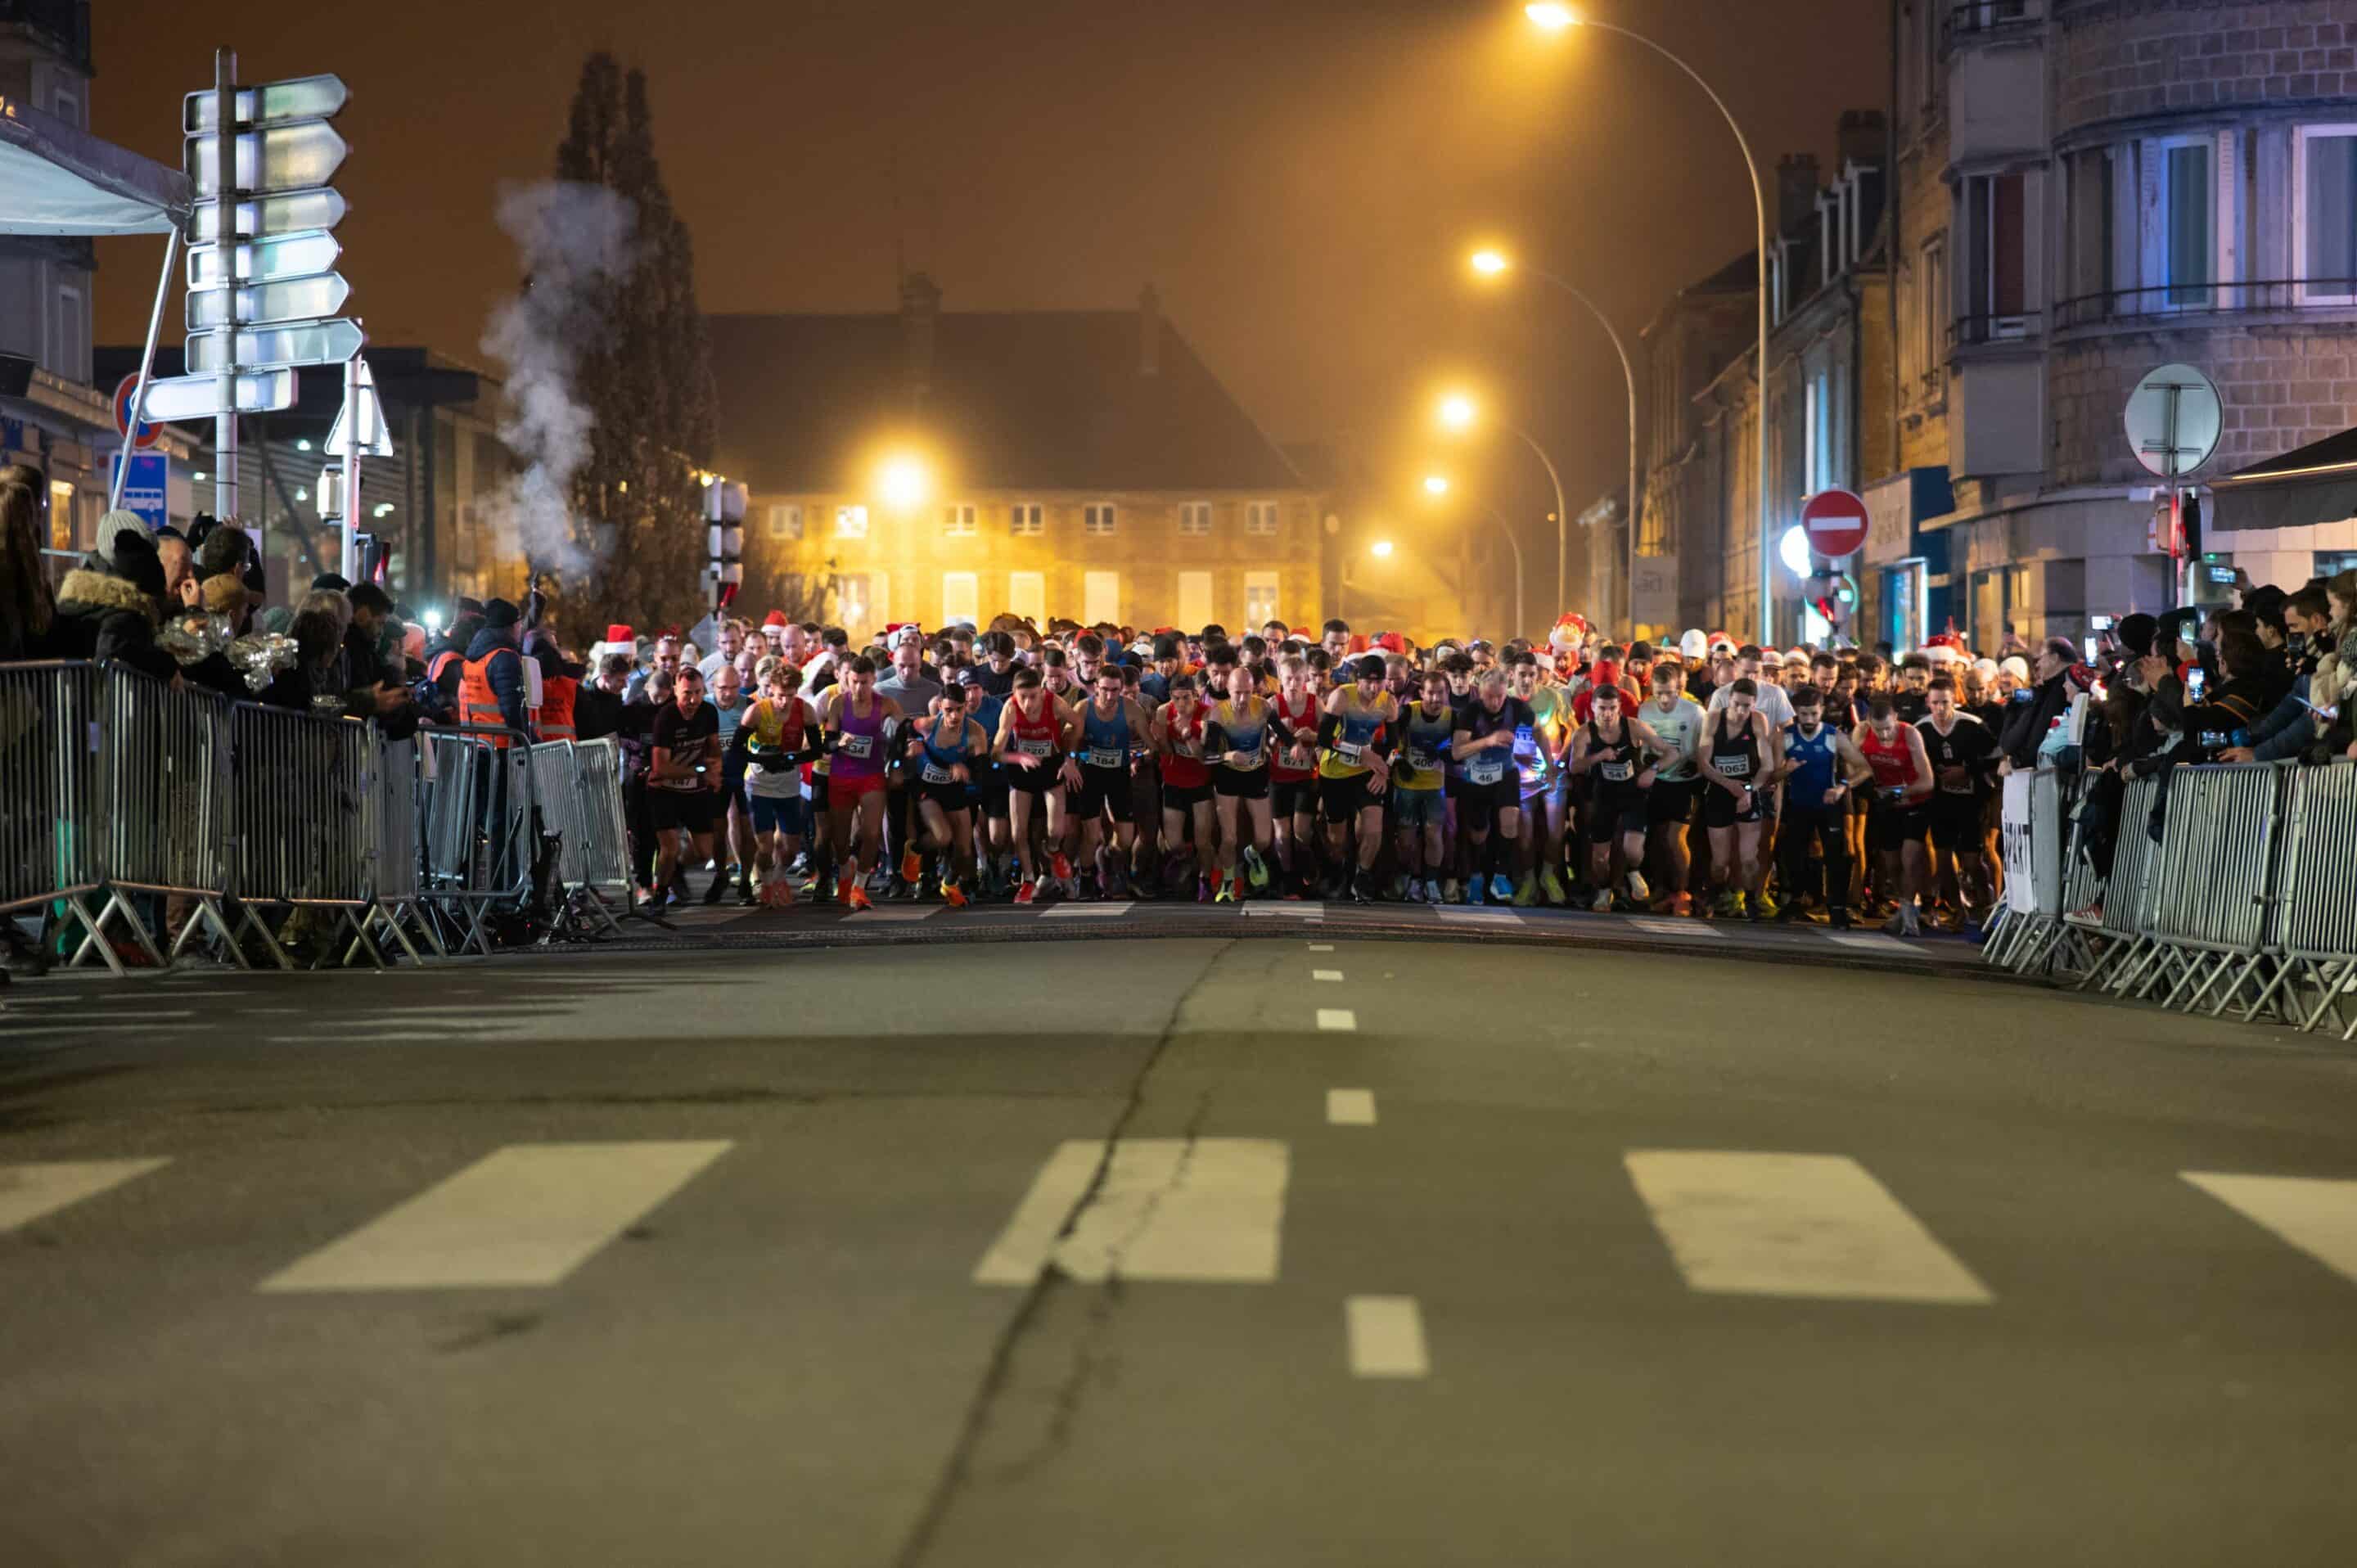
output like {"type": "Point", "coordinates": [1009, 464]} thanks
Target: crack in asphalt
{"type": "Point", "coordinates": [958, 1470]}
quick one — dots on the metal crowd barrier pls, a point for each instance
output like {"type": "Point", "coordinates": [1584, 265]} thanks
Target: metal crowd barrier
{"type": "Point", "coordinates": [304, 839]}
{"type": "Point", "coordinates": [2209, 907]}
{"type": "Point", "coordinates": [2316, 922]}
{"type": "Point", "coordinates": [478, 807]}
{"type": "Point", "coordinates": [52, 791]}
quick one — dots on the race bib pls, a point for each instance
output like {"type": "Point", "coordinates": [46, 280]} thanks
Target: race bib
{"type": "Point", "coordinates": [1421, 760]}
{"type": "Point", "coordinates": [1524, 741]}
{"type": "Point", "coordinates": [937, 774]}
{"type": "Point", "coordinates": [1040, 748]}
{"type": "Point", "coordinates": [859, 744]}
{"type": "Point", "coordinates": [1486, 768]}
{"type": "Point", "coordinates": [1350, 751]}
{"type": "Point", "coordinates": [1735, 765]}
{"type": "Point", "coordinates": [1251, 759]}
{"type": "Point", "coordinates": [1619, 772]}
{"type": "Point", "coordinates": [1105, 757]}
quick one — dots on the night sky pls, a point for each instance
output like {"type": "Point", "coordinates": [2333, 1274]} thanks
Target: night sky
{"type": "Point", "coordinates": [1300, 177]}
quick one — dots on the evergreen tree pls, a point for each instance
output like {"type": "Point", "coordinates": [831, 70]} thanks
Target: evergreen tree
{"type": "Point", "coordinates": [645, 374]}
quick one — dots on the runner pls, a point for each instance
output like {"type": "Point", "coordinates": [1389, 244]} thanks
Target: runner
{"type": "Point", "coordinates": [1824, 770]}
{"type": "Point", "coordinates": [1734, 758]}
{"type": "Point", "coordinates": [1962, 754]}
{"type": "Point", "coordinates": [1353, 776]}
{"type": "Point", "coordinates": [1238, 734]}
{"type": "Point", "coordinates": [1539, 753]}
{"type": "Point", "coordinates": [1109, 725]}
{"type": "Point", "coordinates": [1292, 775]}
{"type": "Point", "coordinates": [1624, 758]}
{"type": "Point", "coordinates": [1419, 804]}
{"type": "Point", "coordinates": [945, 746]}
{"type": "Point", "coordinates": [1670, 804]}
{"type": "Point", "coordinates": [1032, 730]}
{"type": "Point", "coordinates": [858, 726]}
{"type": "Point", "coordinates": [683, 784]}
{"type": "Point", "coordinates": [1489, 801]}
{"type": "Point", "coordinates": [1179, 735]}
{"type": "Point", "coordinates": [776, 736]}
{"type": "Point", "coordinates": [1895, 827]}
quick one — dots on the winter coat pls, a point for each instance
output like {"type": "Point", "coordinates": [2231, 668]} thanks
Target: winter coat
{"type": "Point", "coordinates": [106, 617]}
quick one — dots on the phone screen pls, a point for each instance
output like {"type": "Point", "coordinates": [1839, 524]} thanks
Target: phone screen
{"type": "Point", "coordinates": [2090, 645]}
{"type": "Point", "coordinates": [2195, 683]}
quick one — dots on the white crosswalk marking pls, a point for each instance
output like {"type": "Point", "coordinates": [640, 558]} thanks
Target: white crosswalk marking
{"type": "Point", "coordinates": [1098, 910]}
{"type": "Point", "coordinates": [1873, 941]}
{"type": "Point", "coordinates": [1286, 911]}
{"type": "Point", "coordinates": [1169, 1209]}
{"type": "Point", "coordinates": [1386, 1337]}
{"type": "Point", "coordinates": [873, 916]}
{"type": "Point", "coordinates": [1469, 916]}
{"type": "Point", "coordinates": [28, 1192]}
{"type": "Point", "coordinates": [1333, 976]}
{"type": "Point", "coordinates": [1341, 1019]}
{"type": "Point", "coordinates": [1793, 1225]}
{"type": "Point", "coordinates": [526, 1215]}
{"type": "Point", "coordinates": [1673, 928]}
{"type": "Point", "coordinates": [2317, 1216]}
{"type": "Point", "coordinates": [1350, 1107]}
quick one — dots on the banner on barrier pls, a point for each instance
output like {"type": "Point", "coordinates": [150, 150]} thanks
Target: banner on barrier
{"type": "Point", "coordinates": [2032, 833]}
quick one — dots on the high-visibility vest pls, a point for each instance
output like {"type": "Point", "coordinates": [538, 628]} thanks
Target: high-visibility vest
{"type": "Point", "coordinates": [553, 720]}
{"type": "Point", "coordinates": [478, 704]}
{"type": "Point", "coordinates": [440, 662]}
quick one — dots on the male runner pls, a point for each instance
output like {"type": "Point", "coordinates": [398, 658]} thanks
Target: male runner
{"type": "Point", "coordinates": [857, 724]}
{"type": "Point", "coordinates": [683, 782]}
{"type": "Point", "coordinates": [1110, 726]}
{"type": "Point", "coordinates": [1179, 740]}
{"type": "Point", "coordinates": [1962, 754]}
{"type": "Point", "coordinates": [776, 736]}
{"type": "Point", "coordinates": [1624, 758]}
{"type": "Point", "coordinates": [1419, 804]}
{"type": "Point", "coordinates": [1032, 732]}
{"type": "Point", "coordinates": [1352, 774]}
{"type": "Point", "coordinates": [1895, 826]}
{"type": "Point", "coordinates": [1292, 775]}
{"type": "Point", "coordinates": [1489, 801]}
{"type": "Point", "coordinates": [1238, 737]}
{"type": "Point", "coordinates": [943, 746]}
{"type": "Point", "coordinates": [1670, 804]}
{"type": "Point", "coordinates": [1734, 758]}
{"type": "Point", "coordinates": [1823, 771]}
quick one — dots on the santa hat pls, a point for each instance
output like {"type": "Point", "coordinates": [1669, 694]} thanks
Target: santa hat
{"type": "Point", "coordinates": [618, 633]}
{"type": "Point", "coordinates": [1946, 648]}
{"type": "Point", "coordinates": [776, 618]}
{"type": "Point", "coordinates": [1719, 639]}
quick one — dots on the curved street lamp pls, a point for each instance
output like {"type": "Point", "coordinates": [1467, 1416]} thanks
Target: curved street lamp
{"type": "Point", "coordinates": [1460, 411]}
{"type": "Point", "coordinates": [1436, 485]}
{"type": "Point", "coordinates": [1493, 263]}
{"type": "Point", "coordinates": [1555, 18]}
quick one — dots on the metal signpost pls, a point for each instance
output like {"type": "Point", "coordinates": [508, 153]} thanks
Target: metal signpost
{"type": "Point", "coordinates": [2174, 418]}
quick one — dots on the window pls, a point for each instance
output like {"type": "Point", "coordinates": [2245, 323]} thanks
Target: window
{"type": "Point", "coordinates": [61, 515]}
{"type": "Point", "coordinates": [850, 522]}
{"type": "Point", "coordinates": [1026, 597]}
{"type": "Point", "coordinates": [68, 348]}
{"type": "Point", "coordinates": [1260, 519]}
{"type": "Point", "coordinates": [2089, 217]}
{"type": "Point", "coordinates": [2186, 222]}
{"type": "Point", "coordinates": [1194, 522]}
{"type": "Point", "coordinates": [853, 605]}
{"type": "Point", "coordinates": [67, 107]}
{"type": "Point", "coordinates": [1260, 598]}
{"type": "Point", "coordinates": [1818, 413]}
{"type": "Point", "coordinates": [961, 598]}
{"type": "Point", "coordinates": [2324, 213]}
{"type": "Point", "coordinates": [1194, 599]}
{"type": "Point", "coordinates": [1100, 596]}
{"type": "Point", "coordinates": [1097, 520]}
{"type": "Point", "coordinates": [1995, 305]}
{"type": "Point", "coordinates": [1025, 521]}
{"type": "Point", "coordinates": [957, 521]}
{"type": "Point", "coordinates": [785, 522]}
{"type": "Point", "coordinates": [1933, 306]}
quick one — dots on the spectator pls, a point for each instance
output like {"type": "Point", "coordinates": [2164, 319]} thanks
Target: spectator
{"type": "Point", "coordinates": [2033, 711]}
{"type": "Point", "coordinates": [319, 682]}
{"type": "Point", "coordinates": [379, 690]}
{"type": "Point", "coordinates": [491, 682]}
{"type": "Point", "coordinates": [558, 716]}
{"type": "Point", "coordinates": [28, 610]}
{"type": "Point", "coordinates": [446, 654]}
{"type": "Point", "coordinates": [110, 606]}
{"type": "Point", "coordinates": [598, 704]}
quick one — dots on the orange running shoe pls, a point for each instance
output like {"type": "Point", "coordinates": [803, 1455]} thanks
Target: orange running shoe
{"type": "Point", "coordinates": [1061, 867]}
{"type": "Point", "coordinates": [953, 894]}
{"type": "Point", "coordinates": [858, 898]}
{"type": "Point", "coordinates": [912, 867]}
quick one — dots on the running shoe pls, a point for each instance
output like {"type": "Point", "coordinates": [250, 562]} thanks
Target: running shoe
{"type": "Point", "coordinates": [1203, 890]}
{"type": "Point", "coordinates": [1474, 893]}
{"type": "Point", "coordinates": [1222, 890]}
{"type": "Point", "coordinates": [1060, 868]}
{"type": "Point", "coordinates": [1255, 867]}
{"type": "Point", "coordinates": [1027, 892]}
{"type": "Point", "coordinates": [1401, 891]}
{"type": "Point", "coordinates": [1602, 903]}
{"type": "Point", "coordinates": [1450, 893]}
{"type": "Point", "coordinates": [912, 866]}
{"type": "Point", "coordinates": [953, 894]}
{"type": "Point", "coordinates": [1501, 891]}
{"type": "Point", "coordinates": [1551, 884]}
{"type": "Point", "coordinates": [1638, 892]}
{"type": "Point", "coordinates": [1915, 922]}
{"type": "Point", "coordinates": [1839, 918]}
{"type": "Point", "coordinates": [857, 898]}
{"type": "Point", "coordinates": [1527, 894]}
{"type": "Point", "coordinates": [1358, 880]}
{"type": "Point", "coordinates": [1432, 894]}
{"type": "Point", "coordinates": [1416, 890]}
{"type": "Point", "coordinates": [1897, 924]}
{"type": "Point", "coordinates": [1682, 904]}
{"type": "Point", "coordinates": [1767, 905]}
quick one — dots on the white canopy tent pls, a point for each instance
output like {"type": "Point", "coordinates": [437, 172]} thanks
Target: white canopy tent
{"type": "Point", "coordinates": [58, 179]}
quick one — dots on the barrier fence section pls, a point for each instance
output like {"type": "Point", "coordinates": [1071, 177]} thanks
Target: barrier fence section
{"type": "Point", "coordinates": [2241, 901]}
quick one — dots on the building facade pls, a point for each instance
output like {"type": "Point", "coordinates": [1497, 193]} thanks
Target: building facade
{"type": "Point", "coordinates": [928, 465]}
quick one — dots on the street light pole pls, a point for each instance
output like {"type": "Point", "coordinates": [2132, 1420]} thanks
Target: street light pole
{"type": "Point", "coordinates": [1629, 376]}
{"type": "Point", "coordinates": [1555, 18]}
{"type": "Point", "coordinates": [1499, 519]}
{"type": "Point", "coordinates": [1562, 525]}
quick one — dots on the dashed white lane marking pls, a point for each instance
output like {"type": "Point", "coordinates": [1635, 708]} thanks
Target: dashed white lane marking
{"type": "Point", "coordinates": [1322, 947]}
{"type": "Point", "coordinates": [1871, 941]}
{"type": "Point", "coordinates": [1793, 1225]}
{"type": "Point", "coordinates": [1350, 1107]}
{"type": "Point", "coordinates": [875, 916]}
{"type": "Point", "coordinates": [1341, 1018]}
{"type": "Point", "coordinates": [1673, 928]}
{"type": "Point", "coordinates": [1386, 1337]}
{"type": "Point", "coordinates": [1100, 910]}
{"type": "Point", "coordinates": [2317, 1216]}
{"type": "Point", "coordinates": [1208, 1209]}
{"type": "Point", "coordinates": [525, 1215]}
{"type": "Point", "coordinates": [1333, 975]}
{"type": "Point", "coordinates": [28, 1192]}
{"type": "Point", "coordinates": [1473, 916]}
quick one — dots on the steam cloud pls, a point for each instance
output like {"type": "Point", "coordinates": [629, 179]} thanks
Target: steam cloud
{"type": "Point", "coordinates": [575, 243]}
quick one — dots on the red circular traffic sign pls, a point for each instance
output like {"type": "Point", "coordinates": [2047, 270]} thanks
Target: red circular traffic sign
{"type": "Point", "coordinates": [148, 431]}
{"type": "Point", "coordinates": [1835, 523]}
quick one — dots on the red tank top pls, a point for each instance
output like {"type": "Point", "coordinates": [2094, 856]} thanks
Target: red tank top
{"type": "Point", "coordinates": [1036, 737]}
{"type": "Point", "coordinates": [1894, 768]}
{"type": "Point", "coordinates": [1185, 772]}
{"type": "Point", "coordinates": [1304, 720]}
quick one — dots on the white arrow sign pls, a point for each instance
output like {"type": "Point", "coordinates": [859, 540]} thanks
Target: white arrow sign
{"type": "Point", "coordinates": [297, 343]}
{"type": "Point", "coordinates": [262, 261]}
{"type": "Point", "coordinates": [255, 305]}
{"type": "Point", "coordinates": [376, 441]}
{"type": "Point", "coordinates": [268, 103]}
{"type": "Point", "coordinates": [292, 156]}
{"type": "Point", "coordinates": [288, 212]}
{"type": "Point", "coordinates": [198, 397]}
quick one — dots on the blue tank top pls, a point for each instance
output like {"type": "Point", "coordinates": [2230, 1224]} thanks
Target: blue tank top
{"type": "Point", "coordinates": [939, 759]}
{"type": "Point", "coordinates": [1816, 758]}
{"type": "Point", "coordinates": [1104, 743]}
{"type": "Point", "coordinates": [1245, 723]}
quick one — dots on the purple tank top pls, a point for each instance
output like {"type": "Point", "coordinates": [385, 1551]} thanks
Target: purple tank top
{"type": "Point", "coordinates": [860, 753]}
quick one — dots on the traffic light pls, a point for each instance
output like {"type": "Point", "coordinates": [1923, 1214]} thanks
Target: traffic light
{"type": "Point", "coordinates": [724, 516]}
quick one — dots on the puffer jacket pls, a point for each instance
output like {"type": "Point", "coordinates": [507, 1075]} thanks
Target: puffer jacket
{"type": "Point", "coordinates": [102, 617]}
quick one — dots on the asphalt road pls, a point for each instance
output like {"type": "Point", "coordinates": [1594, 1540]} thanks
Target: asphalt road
{"type": "Point", "coordinates": [1168, 1250]}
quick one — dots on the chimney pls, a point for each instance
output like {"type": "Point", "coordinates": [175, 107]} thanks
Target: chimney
{"type": "Point", "coordinates": [1150, 332]}
{"type": "Point", "coordinates": [920, 310]}
{"type": "Point", "coordinates": [1796, 188]}
{"type": "Point", "coordinates": [1864, 138]}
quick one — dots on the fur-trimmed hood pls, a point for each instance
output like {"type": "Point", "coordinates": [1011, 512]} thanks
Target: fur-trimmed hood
{"type": "Point", "coordinates": [85, 591]}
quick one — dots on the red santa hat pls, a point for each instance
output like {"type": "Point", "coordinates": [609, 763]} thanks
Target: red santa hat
{"type": "Point", "coordinates": [775, 618]}
{"type": "Point", "coordinates": [618, 633]}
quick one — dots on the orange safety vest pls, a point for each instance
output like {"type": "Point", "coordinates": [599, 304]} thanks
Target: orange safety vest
{"type": "Point", "coordinates": [478, 704]}
{"type": "Point", "coordinates": [553, 720]}
{"type": "Point", "coordinates": [441, 663]}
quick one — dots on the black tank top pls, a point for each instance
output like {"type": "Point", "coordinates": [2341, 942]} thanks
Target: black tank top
{"type": "Point", "coordinates": [1734, 761]}
{"type": "Point", "coordinates": [1614, 759]}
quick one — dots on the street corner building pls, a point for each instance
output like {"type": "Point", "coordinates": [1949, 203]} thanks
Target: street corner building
{"type": "Point", "coordinates": [936, 465]}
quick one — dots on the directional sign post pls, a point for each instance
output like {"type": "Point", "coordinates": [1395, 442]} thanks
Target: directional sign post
{"type": "Point", "coordinates": [290, 343]}
{"type": "Point", "coordinates": [200, 397]}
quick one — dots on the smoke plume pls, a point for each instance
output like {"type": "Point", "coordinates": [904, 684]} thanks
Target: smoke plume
{"type": "Point", "coordinates": [575, 245]}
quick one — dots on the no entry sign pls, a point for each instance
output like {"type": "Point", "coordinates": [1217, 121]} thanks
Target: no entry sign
{"type": "Point", "coordinates": [1835, 522]}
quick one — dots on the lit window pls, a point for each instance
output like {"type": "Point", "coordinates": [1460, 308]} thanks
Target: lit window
{"type": "Point", "coordinates": [1026, 520]}
{"type": "Point", "coordinates": [2324, 220]}
{"type": "Point", "coordinates": [1097, 520]}
{"type": "Point", "coordinates": [851, 523]}
{"type": "Point", "coordinates": [2187, 207]}
{"type": "Point", "coordinates": [1260, 598]}
{"type": "Point", "coordinates": [958, 522]}
{"type": "Point", "coordinates": [785, 522]}
{"type": "Point", "coordinates": [1260, 519]}
{"type": "Point", "coordinates": [1194, 519]}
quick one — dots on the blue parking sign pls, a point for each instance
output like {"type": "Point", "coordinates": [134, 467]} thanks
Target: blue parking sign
{"type": "Point", "coordinates": [147, 490]}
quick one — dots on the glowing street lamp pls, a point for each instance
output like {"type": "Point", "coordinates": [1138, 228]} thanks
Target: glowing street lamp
{"type": "Point", "coordinates": [1457, 411]}
{"type": "Point", "coordinates": [1489, 263]}
{"type": "Point", "coordinates": [903, 482]}
{"type": "Point", "coordinates": [1436, 484]}
{"type": "Point", "coordinates": [1554, 19]}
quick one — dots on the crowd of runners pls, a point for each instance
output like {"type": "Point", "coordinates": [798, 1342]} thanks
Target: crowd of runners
{"type": "Point", "coordinates": [1703, 777]}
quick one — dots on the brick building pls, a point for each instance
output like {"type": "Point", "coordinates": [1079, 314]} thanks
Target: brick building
{"type": "Point", "coordinates": [1082, 464]}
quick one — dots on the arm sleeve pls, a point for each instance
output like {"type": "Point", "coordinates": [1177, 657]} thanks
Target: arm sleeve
{"type": "Point", "coordinates": [1215, 739]}
{"type": "Point", "coordinates": [1328, 727]}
